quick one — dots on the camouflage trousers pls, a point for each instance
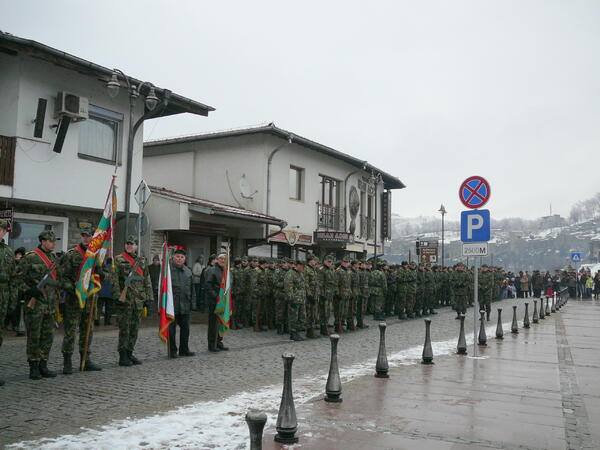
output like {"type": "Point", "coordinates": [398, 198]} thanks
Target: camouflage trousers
{"type": "Point", "coordinates": [75, 317]}
{"type": "Point", "coordinates": [400, 302]}
{"type": "Point", "coordinates": [361, 307]}
{"type": "Point", "coordinates": [269, 314]}
{"type": "Point", "coordinates": [4, 300]}
{"type": "Point", "coordinates": [460, 303]}
{"type": "Point", "coordinates": [280, 309]}
{"type": "Point", "coordinates": [340, 308]}
{"type": "Point", "coordinates": [130, 316]}
{"type": "Point", "coordinates": [378, 303]}
{"type": "Point", "coordinates": [40, 323]}
{"type": "Point", "coordinates": [419, 301]}
{"type": "Point", "coordinates": [312, 312]}
{"type": "Point", "coordinates": [238, 307]}
{"type": "Point", "coordinates": [389, 302]}
{"type": "Point", "coordinates": [351, 308]}
{"type": "Point", "coordinates": [324, 310]}
{"type": "Point", "coordinates": [296, 316]}
{"type": "Point", "coordinates": [258, 310]}
{"type": "Point", "coordinates": [409, 304]}
{"type": "Point", "coordinates": [429, 299]}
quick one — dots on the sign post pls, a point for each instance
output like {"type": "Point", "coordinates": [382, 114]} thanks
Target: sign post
{"type": "Point", "coordinates": [475, 230]}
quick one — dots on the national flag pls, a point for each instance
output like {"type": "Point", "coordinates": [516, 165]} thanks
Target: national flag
{"type": "Point", "coordinates": [166, 309]}
{"type": "Point", "coordinates": [88, 282]}
{"type": "Point", "coordinates": [223, 307]}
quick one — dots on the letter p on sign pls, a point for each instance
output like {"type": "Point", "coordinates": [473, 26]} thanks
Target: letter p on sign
{"type": "Point", "coordinates": [475, 225]}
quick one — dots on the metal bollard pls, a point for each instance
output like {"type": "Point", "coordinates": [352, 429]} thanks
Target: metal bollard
{"type": "Point", "coordinates": [542, 315]}
{"type": "Point", "coordinates": [526, 319]}
{"type": "Point", "coordinates": [461, 348]}
{"type": "Point", "coordinates": [256, 423]}
{"type": "Point", "coordinates": [333, 388]}
{"type": "Point", "coordinates": [515, 325]}
{"type": "Point", "coordinates": [499, 330]}
{"type": "Point", "coordinates": [381, 367]}
{"type": "Point", "coordinates": [535, 313]}
{"type": "Point", "coordinates": [482, 338]}
{"type": "Point", "coordinates": [287, 424]}
{"type": "Point", "coordinates": [553, 307]}
{"type": "Point", "coordinates": [427, 350]}
{"type": "Point", "coordinates": [547, 312]}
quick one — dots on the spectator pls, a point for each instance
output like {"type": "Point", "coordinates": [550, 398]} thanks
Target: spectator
{"type": "Point", "coordinates": [197, 270]}
{"type": "Point", "coordinates": [154, 270]}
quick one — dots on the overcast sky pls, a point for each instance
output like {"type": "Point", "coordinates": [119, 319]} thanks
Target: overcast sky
{"type": "Point", "coordinates": [429, 91]}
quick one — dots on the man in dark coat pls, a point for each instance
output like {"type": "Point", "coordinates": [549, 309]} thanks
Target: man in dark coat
{"type": "Point", "coordinates": [211, 288]}
{"type": "Point", "coordinates": [183, 295]}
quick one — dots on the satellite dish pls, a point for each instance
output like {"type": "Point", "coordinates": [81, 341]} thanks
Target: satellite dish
{"type": "Point", "coordinates": [245, 188]}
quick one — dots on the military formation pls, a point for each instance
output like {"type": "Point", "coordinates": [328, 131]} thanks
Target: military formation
{"type": "Point", "coordinates": [312, 296]}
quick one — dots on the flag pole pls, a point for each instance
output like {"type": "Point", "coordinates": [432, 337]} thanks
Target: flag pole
{"type": "Point", "coordinates": [87, 334]}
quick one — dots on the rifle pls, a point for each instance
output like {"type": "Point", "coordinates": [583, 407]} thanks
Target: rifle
{"type": "Point", "coordinates": [46, 281]}
{"type": "Point", "coordinates": [133, 276]}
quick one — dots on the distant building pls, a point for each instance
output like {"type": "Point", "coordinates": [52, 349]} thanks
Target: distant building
{"type": "Point", "coordinates": [330, 201]}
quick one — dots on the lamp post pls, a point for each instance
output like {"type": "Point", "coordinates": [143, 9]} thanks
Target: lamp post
{"type": "Point", "coordinates": [442, 210]}
{"type": "Point", "coordinates": [113, 87]}
{"type": "Point", "coordinates": [375, 180]}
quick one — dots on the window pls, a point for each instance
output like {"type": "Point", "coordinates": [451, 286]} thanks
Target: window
{"type": "Point", "coordinates": [99, 135]}
{"type": "Point", "coordinates": [329, 191]}
{"type": "Point", "coordinates": [296, 183]}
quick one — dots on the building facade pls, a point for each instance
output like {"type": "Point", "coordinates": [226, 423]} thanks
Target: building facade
{"type": "Point", "coordinates": [62, 137]}
{"type": "Point", "coordinates": [330, 201]}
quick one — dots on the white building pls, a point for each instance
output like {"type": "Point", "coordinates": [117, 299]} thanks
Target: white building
{"type": "Point", "coordinates": [62, 187]}
{"type": "Point", "coordinates": [330, 201]}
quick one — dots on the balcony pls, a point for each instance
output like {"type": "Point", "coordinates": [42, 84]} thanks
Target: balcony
{"type": "Point", "coordinates": [330, 218]}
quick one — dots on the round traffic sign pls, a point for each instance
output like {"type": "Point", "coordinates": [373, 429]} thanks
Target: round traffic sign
{"type": "Point", "coordinates": [474, 192]}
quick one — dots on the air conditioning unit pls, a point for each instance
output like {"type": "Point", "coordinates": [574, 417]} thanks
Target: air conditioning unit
{"type": "Point", "coordinates": [72, 105]}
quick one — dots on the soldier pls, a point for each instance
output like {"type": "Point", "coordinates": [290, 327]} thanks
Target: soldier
{"type": "Point", "coordinates": [429, 295]}
{"type": "Point", "coordinates": [8, 280]}
{"type": "Point", "coordinates": [344, 293]}
{"type": "Point", "coordinates": [401, 287]}
{"type": "Point", "coordinates": [485, 290]}
{"type": "Point", "coordinates": [41, 303]}
{"type": "Point", "coordinates": [378, 286]}
{"type": "Point", "coordinates": [390, 297]}
{"type": "Point", "coordinates": [74, 315]}
{"type": "Point", "coordinates": [236, 294]}
{"type": "Point", "coordinates": [280, 297]}
{"type": "Point", "coordinates": [363, 295]}
{"type": "Point", "coordinates": [252, 290]}
{"type": "Point", "coordinates": [183, 296]}
{"type": "Point", "coordinates": [214, 276]}
{"type": "Point", "coordinates": [268, 294]}
{"type": "Point", "coordinates": [329, 290]}
{"type": "Point", "coordinates": [356, 292]}
{"type": "Point", "coordinates": [294, 286]}
{"type": "Point", "coordinates": [411, 290]}
{"type": "Point", "coordinates": [461, 284]}
{"type": "Point", "coordinates": [134, 280]}
{"type": "Point", "coordinates": [260, 292]}
{"type": "Point", "coordinates": [420, 297]}
{"type": "Point", "coordinates": [245, 307]}
{"type": "Point", "coordinates": [313, 291]}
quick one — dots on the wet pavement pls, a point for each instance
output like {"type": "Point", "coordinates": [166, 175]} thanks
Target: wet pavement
{"type": "Point", "coordinates": [538, 389]}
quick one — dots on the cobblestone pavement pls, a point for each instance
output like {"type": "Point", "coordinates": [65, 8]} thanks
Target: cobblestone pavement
{"type": "Point", "coordinates": [52, 407]}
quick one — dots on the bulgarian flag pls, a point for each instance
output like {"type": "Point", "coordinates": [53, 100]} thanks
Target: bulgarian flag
{"type": "Point", "coordinates": [88, 282]}
{"type": "Point", "coordinates": [166, 308]}
{"type": "Point", "coordinates": [223, 307]}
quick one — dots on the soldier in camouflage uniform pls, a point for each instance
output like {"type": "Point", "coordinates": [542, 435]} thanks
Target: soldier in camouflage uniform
{"type": "Point", "coordinates": [329, 291]}
{"type": "Point", "coordinates": [363, 295]}
{"type": "Point", "coordinates": [341, 303]}
{"type": "Point", "coordinates": [485, 290]}
{"type": "Point", "coordinates": [429, 295]}
{"type": "Point", "coordinates": [378, 287]}
{"type": "Point", "coordinates": [420, 297]}
{"type": "Point", "coordinates": [41, 304]}
{"type": "Point", "coordinates": [280, 297]}
{"type": "Point", "coordinates": [139, 292]}
{"type": "Point", "coordinates": [313, 292]}
{"type": "Point", "coordinates": [294, 286]}
{"type": "Point", "coordinates": [74, 315]}
{"type": "Point", "coordinates": [410, 278]}
{"type": "Point", "coordinates": [269, 289]}
{"type": "Point", "coordinates": [356, 292]}
{"type": "Point", "coordinates": [246, 306]}
{"type": "Point", "coordinates": [259, 296]}
{"type": "Point", "coordinates": [390, 297]}
{"type": "Point", "coordinates": [236, 294]}
{"type": "Point", "coordinates": [8, 280]}
{"type": "Point", "coordinates": [461, 286]}
{"type": "Point", "coordinates": [401, 288]}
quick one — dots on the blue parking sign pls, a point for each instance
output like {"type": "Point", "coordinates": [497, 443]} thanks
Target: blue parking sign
{"type": "Point", "coordinates": [475, 225]}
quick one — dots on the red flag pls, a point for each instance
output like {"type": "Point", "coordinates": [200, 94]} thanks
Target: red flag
{"type": "Point", "coordinates": [166, 308]}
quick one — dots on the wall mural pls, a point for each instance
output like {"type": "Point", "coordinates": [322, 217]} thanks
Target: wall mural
{"type": "Point", "coordinates": [354, 205]}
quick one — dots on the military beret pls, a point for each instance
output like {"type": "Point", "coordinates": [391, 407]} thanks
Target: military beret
{"type": "Point", "coordinates": [131, 239]}
{"type": "Point", "coordinates": [3, 225]}
{"type": "Point", "coordinates": [179, 251]}
{"type": "Point", "coordinates": [237, 260]}
{"type": "Point", "coordinates": [244, 259]}
{"type": "Point", "coordinates": [346, 259]}
{"type": "Point", "coordinates": [47, 235]}
{"type": "Point", "coordinates": [310, 257]}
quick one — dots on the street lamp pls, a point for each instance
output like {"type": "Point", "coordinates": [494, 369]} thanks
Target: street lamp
{"type": "Point", "coordinates": [442, 210]}
{"type": "Point", "coordinates": [113, 86]}
{"type": "Point", "coordinates": [375, 180]}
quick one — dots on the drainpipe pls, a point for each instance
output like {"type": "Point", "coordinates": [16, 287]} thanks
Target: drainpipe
{"type": "Point", "coordinates": [269, 161]}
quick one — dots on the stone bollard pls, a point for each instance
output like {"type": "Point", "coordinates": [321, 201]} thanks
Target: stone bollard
{"type": "Point", "coordinates": [482, 338]}
{"type": "Point", "coordinates": [553, 307]}
{"type": "Point", "coordinates": [547, 312]}
{"type": "Point", "coordinates": [461, 348]}
{"type": "Point", "coordinates": [499, 330]}
{"type": "Point", "coordinates": [542, 315]}
{"type": "Point", "coordinates": [381, 367]}
{"type": "Point", "coordinates": [526, 318]}
{"type": "Point", "coordinates": [287, 424]}
{"type": "Point", "coordinates": [256, 423]}
{"type": "Point", "coordinates": [333, 388]}
{"type": "Point", "coordinates": [427, 350]}
{"type": "Point", "coordinates": [515, 325]}
{"type": "Point", "coordinates": [535, 313]}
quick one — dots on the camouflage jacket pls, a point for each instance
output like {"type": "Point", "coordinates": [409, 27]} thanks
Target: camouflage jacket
{"type": "Point", "coordinates": [461, 282]}
{"type": "Point", "coordinates": [278, 276]}
{"type": "Point", "coordinates": [294, 286]}
{"type": "Point", "coordinates": [410, 278]}
{"type": "Point", "coordinates": [68, 270]}
{"type": "Point", "coordinates": [30, 271]}
{"type": "Point", "coordinates": [378, 283]}
{"type": "Point", "coordinates": [344, 282]}
{"type": "Point", "coordinates": [329, 287]}
{"type": "Point", "coordinates": [313, 282]}
{"type": "Point", "coordinates": [364, 282]}
{"type": "Point", "coordinates": [139, 291]}
{"type": "Point", "coordinates": [8, 272]}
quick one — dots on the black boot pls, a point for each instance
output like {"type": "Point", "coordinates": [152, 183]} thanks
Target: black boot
{"type": "Point", "coordinates": [280, 328]}
{"type": "Point", "coordinates": [124, 359]}
{"type": "Point", "coordinates": [133, 359]}
{"type": "Point", "coordinates": [221, 346]}
{"type": "Point", "coordinates": [89, 365]}
{"type": "Point", "coordinates": [67, 364]}
{"type": "Point", "coordinates": [46, 373]}
{"type": "Point", "coordinates": [34, 370]}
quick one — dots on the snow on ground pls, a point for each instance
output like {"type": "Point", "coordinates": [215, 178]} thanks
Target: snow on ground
{"type": "Point", "coordinates": [221, 425]}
